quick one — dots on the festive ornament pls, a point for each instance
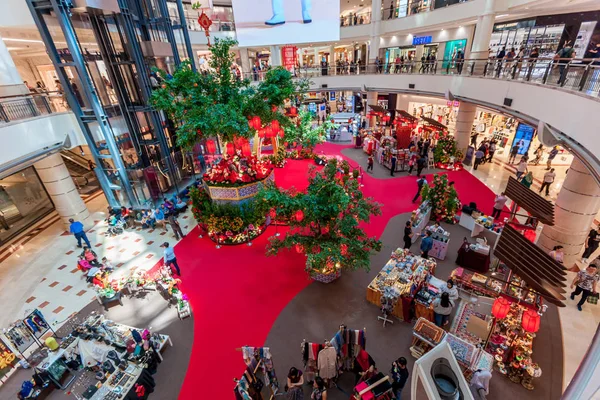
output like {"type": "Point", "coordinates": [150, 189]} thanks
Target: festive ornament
{"type": "Point", "coordinates": [256, 122]}
{"type": "Point", "coordinates": [299, 248]}
{"type": "Point", "coordinates": [316, 249]}
{"type": "Point", "coordinates": [344, 249]}
{"type": "Point", "coordinates": [272, 213]}
{"type": "Point", "coordinates": [281, 133]}
{"type": "Point", "coordinates": [268, 131]}
{"type": "Point", "coordinates": [274, 108]}
{"type": "Point", "coordinates": [500, 308]}
{"type": "Point", "coordinates": [531, 321]}
{"type": "Point", "coordinates": [261, 133]}
{"type": "Point", "coordinates": [299, 215]}
{"type": "Point", "coordinates": [293, 111]}
{"type": "Point", "coordinates": [230, 149]}
{"type": "Point", "coordinates": [275, 125]}
{"type": "Point", "coordinates": [246, 150]}
{"type": "Point", "coordinates": [210, 146]}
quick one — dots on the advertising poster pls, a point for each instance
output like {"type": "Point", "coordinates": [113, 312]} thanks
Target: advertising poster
{"type": "Point", "coordinates": [288, 57]}
{"type": "Point", "coordinates": [273, 22]}
{"type": "Point", "coordinates": [523, 137]}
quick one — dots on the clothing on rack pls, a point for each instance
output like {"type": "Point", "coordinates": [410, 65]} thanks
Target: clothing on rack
{"type": "Point", "coordinates": [327, 363]}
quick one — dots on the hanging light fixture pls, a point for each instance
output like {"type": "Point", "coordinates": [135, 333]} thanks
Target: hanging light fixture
{"type": "Point", "coordinates": [531, 321]}
{"type": "Point", "coordinates": [500, 308]}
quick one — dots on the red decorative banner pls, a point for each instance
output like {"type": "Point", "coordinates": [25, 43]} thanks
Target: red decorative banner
{"type": "Point", "coordinates": [288, 57]}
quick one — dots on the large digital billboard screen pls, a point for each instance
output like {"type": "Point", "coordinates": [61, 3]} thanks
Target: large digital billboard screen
{"type": "Point", "coordinates": [272, 22]}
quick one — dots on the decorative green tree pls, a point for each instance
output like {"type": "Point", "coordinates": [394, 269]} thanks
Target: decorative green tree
{"type": "Point", "coordinates": [305, 133]}
{"type": "Point", "coordinates": [218, 103]}
{"type": "Point", "coordinates": [445, 148]}
{"type": "Point", "coordinates": [324, 221]}
{"type": "Point", "coordinates": [442, 197]}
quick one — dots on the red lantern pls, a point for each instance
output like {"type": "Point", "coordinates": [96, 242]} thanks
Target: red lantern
{"type": "Point", "coordinates": [500, 308]}
{"type": "Point", "coordinates": [531, 321]}
{"type": "Point", "coordinates": [256, 122]}
{"type": "Point", "coordinates": [272, 213]}
{"type": "Point", "coordinates": [299, 248]}
{"type": "Point", "coordinates": [299, 215]}
{"type": "Point", "coordinates": [230, 149]}
{"type": "Point", "coordinates": [246, 151]}
{"type": "Point", "coordinates": [275, 125]}
{"type": "Point", "coordinates": [293, 111]}
{"type": "Point", "coordinates": [420, 130]}
{"type": "Point", "coordinates": [261, 133]}
{"type": "Point", "coordinates": [281, 133]}
{"type": "Point", "coordinates": [210, 146]}
{"type": "Point", "coordinates": [344, 249]}
{"type": "Point", "coordinates": [268, 131]}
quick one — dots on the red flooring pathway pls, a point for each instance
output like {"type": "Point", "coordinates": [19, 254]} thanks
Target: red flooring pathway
{"type": "Point", "coordinates": [237, 292]}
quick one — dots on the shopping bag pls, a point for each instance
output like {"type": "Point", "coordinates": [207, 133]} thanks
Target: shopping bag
{"type": "Point", "coordinates": [593, 298]}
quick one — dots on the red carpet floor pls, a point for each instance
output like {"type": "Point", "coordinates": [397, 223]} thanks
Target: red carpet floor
{"type": "Point", "coordinates": [237, 292]}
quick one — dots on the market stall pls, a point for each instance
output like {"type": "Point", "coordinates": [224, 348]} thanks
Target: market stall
{"type": "Point", "coordinates": [482, 225]}
{"type": "Point", "coordinates": [404, 124]}
{"type": "Point", "coordinates": [420, 218]}
{"type": "Point", "coordinates": [259, 380]}
{"type": "Point", "coordinates": [441, 241]}
{"type": "Point", "coordinates": [398, 282]}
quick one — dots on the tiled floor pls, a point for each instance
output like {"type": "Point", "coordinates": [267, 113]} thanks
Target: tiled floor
{"type": "Point", "coordinates": [42, 273]}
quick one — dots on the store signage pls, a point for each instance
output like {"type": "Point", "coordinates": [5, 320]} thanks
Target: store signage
{"type": "Point", "coordinates": [454, 103]}
{"type": "Point", "coordinates": [421, 40]}
{"type": "Point", "coordinates": [288, 57]}
{"type": "Point", "coordinates": [514, 25]}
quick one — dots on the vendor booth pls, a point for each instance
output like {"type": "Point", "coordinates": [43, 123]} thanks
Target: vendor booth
{"type": "Point", "coordinates": [404, 124]}
{"type": "Point", "coordinates": [347, 125]}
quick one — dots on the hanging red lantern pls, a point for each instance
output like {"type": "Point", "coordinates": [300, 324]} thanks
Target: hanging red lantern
{"type": "Point", "coordinates": [531, 321]}
{"type": "Point", "coordinates": [420, 129]}
{"type": "Point", "coordinates": [268, 131]}
{"type": "Point", "coordinates": [230, 149]}
{"type": "Point", "coordinates": [256, 122]}
{"type": "Point", "coordinates": [246, 150]}
{"type": "Point", "coordinates": [210, 146]}
{"type": "Point", "coordinates": [500, 308]}
{"type": "Point", "coordinates": [299, 248]}
{"type": "Point", "coordinates": [275, 125]}
{"type": "Point", "coordinates": [299, 215]}
{"type": "Point", "coordinates": [293, 111]}
{"type": "Point", "coordinates": [281, 133]}
{"type": "Point", "coordinates": [261, 133]}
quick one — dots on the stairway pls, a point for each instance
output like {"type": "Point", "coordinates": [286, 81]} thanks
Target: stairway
{"type": "Point", "coordinates": [84, 177]}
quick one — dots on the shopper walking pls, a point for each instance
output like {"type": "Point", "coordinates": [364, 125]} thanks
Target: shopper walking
{"type": "Point", "coordinates": [169, 257]}
{"type": "Point", "coordinates": [76, 228]}
{"type": "Point", "coordinates": [399, 374]}
{"type": "Point", "coordinates": [393, 168]}
{"type": "Point", "coordinates": [548, 180]}
{"type": "Point", "coordinates": [408, 233]}
{"type": "Point", "coordinates": [591, 244]}
{"type": "Point", "coordinates": [551, 156]}
{"type": "Point", "coordinates": [513, 153]}
{"type": "Point", "coordinates": [527, 180]}
{"type": "Point", "coordinates": [174, 224]}
{"type": "Point", "coordinates": [558, 254]}
{"type": "Point", "coordinates": [585, 284]}
{"type": "Point", "coordinates": [370, 163]}
{"type": "Point", "coordinates": [491, 150]}
{"type": "Point", "coordinates": [479, 154]}
{"type": "Point", "coordinates": [442, 308]}
{"type": "Point", "coordinates": [421, 163]}
{"type": "Point", "coordinates": [538, 154]}
{"type": "Point", "coordinates": [499, 203]}
{"type": "Point", "coordinates": [480, 384]}
{"type": "Point", "coordinates": [564, 56]}
{"type": "Point", "coordinates": [521, 168]}
{"type": "Point", "coordinates": [295, 380]}
{"type": "Point", "coordinates": [420, 183]}
{"type": "Point", "coordinates": [426, 245]}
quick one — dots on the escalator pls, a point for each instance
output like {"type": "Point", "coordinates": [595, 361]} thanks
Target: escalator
{"type": "Point", "coordinates": [82, 172]}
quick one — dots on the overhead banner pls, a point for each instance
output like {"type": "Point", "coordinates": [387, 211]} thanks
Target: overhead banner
{"type": "Point", "coordinates": [276, 22]}
{"type": "Point", "coordinates": [288, 57]}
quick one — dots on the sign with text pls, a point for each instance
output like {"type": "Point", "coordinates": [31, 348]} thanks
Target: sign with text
{"type": "Point", "coordinates": [288, 57]}
{"type": "Point", "coordinates": [417, 40]}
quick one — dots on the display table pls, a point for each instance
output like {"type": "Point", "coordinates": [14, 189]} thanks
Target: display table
{"type": "Point", "coordinates": [466, 221]}
{"type": "Point", "coordinates": [441, 241]}
{"type": "Point", "coordinates": [419, 219]}
{"type": "Point", "coordinates": [478, 229]}
{"type": "Point", "coordinates": [473, 260]}
{"type": "Point", "coordinates": [402, 276]}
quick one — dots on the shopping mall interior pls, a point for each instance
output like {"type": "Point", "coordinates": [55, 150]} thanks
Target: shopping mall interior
{"type": "Point", "coordinates": [397, 199]}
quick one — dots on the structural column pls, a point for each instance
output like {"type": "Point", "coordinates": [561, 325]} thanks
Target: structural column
{"type": "Point", "coordinates": [332, 56]}
{"type": "Point", "coordinates": [275, 56]}
{"type": "Point", "coordinates": [60, 186]}
{"type": "Point", "coordinates": [402, 102]}
{"type": "Point", "coordinates": [464, 124]}
{"type": "Point", "coordinates": [371, 99]}
{"type": "Point", "coordinates": [576, 206]}
{"type": "Point", "coordinates": [11, 83]}
{"type": "Point", "coordinates": [483, 35]}
{"type": "Point", "coordinates": [375, 27]}
{"type": "Point", "coordinates": [245, 60]}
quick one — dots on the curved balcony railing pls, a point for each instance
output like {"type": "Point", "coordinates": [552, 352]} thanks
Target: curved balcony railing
{"type": "Point", "coordinates": [13, 108]}
{"type": "Point", "coordinates": [582, 75]}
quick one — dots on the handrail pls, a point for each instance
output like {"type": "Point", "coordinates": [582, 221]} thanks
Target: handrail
{"type": "Point", "coordinates": [77, 159]}
{"type": "Point", "coordinates": [581, 74]}
{"type": "Point", "coordinates": [18, 107]}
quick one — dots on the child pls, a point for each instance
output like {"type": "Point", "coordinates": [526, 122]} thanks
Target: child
{"type": "Point", "coordinates": [90, 256]}
{"type": "Point", "coordinates": [107, 265]}
{"type": "Point", "coordinates": [83, 264]}
{"type": "Point", "coordinates": [370, 163]}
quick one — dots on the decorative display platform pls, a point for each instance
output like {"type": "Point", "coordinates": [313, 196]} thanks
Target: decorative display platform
{"type": "Point", "coordinates": [237, 194]}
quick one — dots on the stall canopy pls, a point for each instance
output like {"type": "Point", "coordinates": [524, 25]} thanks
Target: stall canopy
{"type": "Point", "coordinates": [406, 115]}
{"type": "Point", "coordinates": [377, 108]}
{"type": "Point", "coordinates": [434, 123]}
{"type": "Point", "coordinates": [541, 272]}
{"type": "Point", "coordinates": [529, 200]}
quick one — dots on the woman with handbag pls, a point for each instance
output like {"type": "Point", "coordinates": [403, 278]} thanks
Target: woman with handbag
{"type": "Point", "coordinates": [585, 284]}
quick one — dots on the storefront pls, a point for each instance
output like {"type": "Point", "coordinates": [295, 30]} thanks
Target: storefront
{"type": "Point", "coordinates": [444, 113]}
{"type": "Point", "coordinates": [548, 33]}
{"type": "Point", "coordinates": [23, 200]}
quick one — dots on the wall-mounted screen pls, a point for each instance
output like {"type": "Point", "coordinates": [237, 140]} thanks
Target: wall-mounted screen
{"type": "Point", "coordinates": [273, 22]}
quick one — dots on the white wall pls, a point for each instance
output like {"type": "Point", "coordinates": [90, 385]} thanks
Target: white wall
{"type": "Point", "coordinates": [572, 113]}
{"type": "Point", "coordinates": [15, 13]}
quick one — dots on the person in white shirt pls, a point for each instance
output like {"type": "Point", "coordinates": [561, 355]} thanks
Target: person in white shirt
{"type": "Point", "coordinates": [548, 180]}
{"type": "Point", "coordinates": [451, 290]}
{"type": "Point", "coordinates": [499, 203]}
{"type": "Point", "coordinates": [521, 168]}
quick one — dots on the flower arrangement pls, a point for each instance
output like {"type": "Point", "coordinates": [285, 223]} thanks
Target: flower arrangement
{"type": "Point", "coordinates": [237, 171]}
{"type": "Point", "coordinates": [278, 159]}
{"type": "Point", "coordinates": [443, 199]}
{"type": "Point", "coordinates": [446, 151]}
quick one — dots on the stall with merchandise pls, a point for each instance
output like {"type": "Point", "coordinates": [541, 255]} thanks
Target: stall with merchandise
{"type": "Point", "coordinates": [259, 363]}
{"type": "Point", "coordinates": [441, 241]}
{"type": "Point", "coordinates": [491, 126]}
{"type": "Point", "coordinates": [404, 124]}
{"type": "Point", "coordinates": [386, 148]}
{"type": "Point", "coordinates": [482, 225]}
{"type": "Point", "coordinates": [398, 282]}
{"type": "Point", "coordinates": [420, 218]}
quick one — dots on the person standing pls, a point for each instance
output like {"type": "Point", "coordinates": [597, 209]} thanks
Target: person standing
{"type": "Point", "coordinates": [499, 203]}
{"type": "Point", "coordinates": [370, 163]}
{"type": "Point", "coordinates": [421, 163]}
{"type": "Point", "coordinates": [76, 228]}
{"type": "Point", "coordinates": [399, 374]}
{"type": "Point", "coordinates": [521, 168]}
{"type": "Point", "coordinates": [513, 153]}
{"type": "Point", "coordinates": [591, 244]}
{"type": "Point", "coordinates": [585, 284]}
{"type": "Point", "coordinates": [426, 245]}
{"type": "Point", "coordinates": [174, 224]}
{"type": "Point", "coordinates": [479, 154]}
{"type": "Point", "coordinates": [551, 156]}
{"type": "Point", "coordinates": [169, 257]}
{"type": "Point", "coordinates": [442, 308]}
{"type": "Point", "coordinates": [480, 384]}
{"type": "Point", "coordinates": [393, 168]}
{"type": "Point", "coordinates": [548, 180]}
{"type": "Point", "coordinates": [564, 57]}
{"type": "Point", "coordinates": [420, 183]}
{"type": "Point", "coordinates": [408, 233]}
{"type": "Point", "coordinates": [527, 180]}
{"type": "Point", "coordinates": [558, 254]}
{"type": "Point", "coordinates": [491, 150]}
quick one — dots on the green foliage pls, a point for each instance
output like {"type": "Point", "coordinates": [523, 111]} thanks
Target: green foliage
{"type": "Point", "coordinates": [446, 147]}
{"type": "Point", "coordinates": [442, 198]}
{"type": "Point", "coordinates": [329, 232]}
{"type": "Point", "coordinates": [218, 103]}
{"type": "Point", "coordinates": [304, 133]}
